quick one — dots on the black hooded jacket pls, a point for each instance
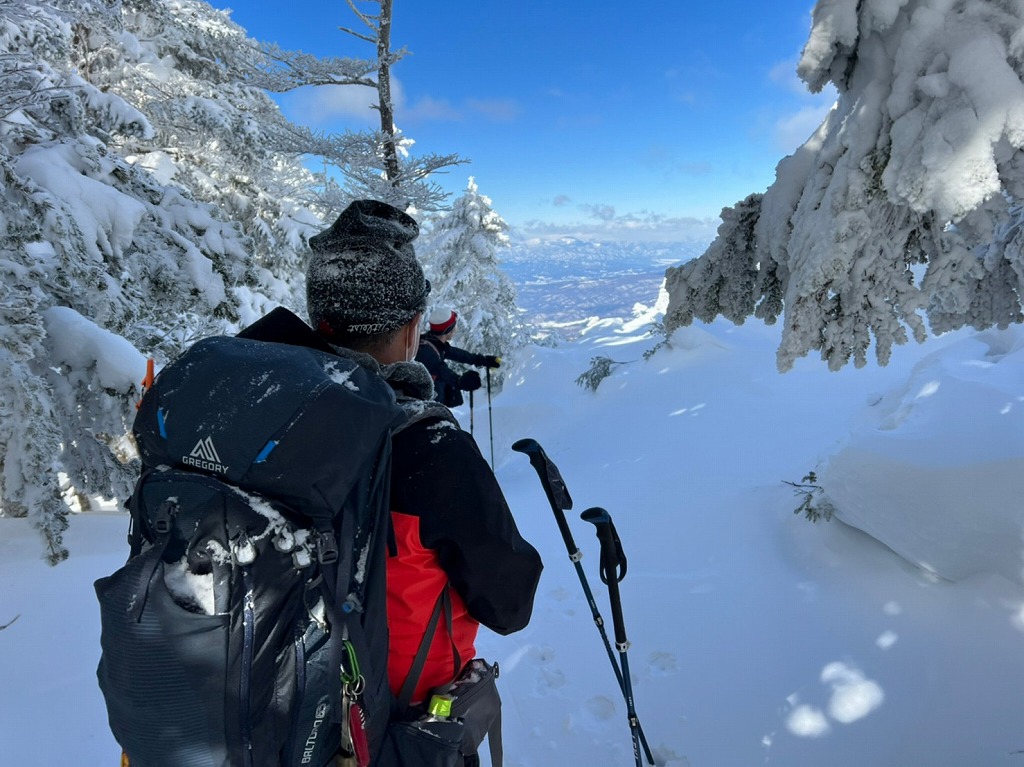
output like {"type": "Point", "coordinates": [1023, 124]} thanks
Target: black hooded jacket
{"type": "Point", "coordinates": [434, 354]}
{"type": "Point", "coordinates": [440, 478]}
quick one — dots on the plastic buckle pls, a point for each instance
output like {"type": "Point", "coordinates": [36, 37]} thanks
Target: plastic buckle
{"type": "Point", "coordinates": [163, 516]}
{"type": "Point", "coordinates": [327, 549]}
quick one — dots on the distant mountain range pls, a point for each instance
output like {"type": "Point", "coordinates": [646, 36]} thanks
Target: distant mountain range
{"type": "Point", "coordinates": [567, 279]}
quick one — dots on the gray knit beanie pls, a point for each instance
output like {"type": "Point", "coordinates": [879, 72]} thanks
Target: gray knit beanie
{"type": "Point", "coordinates": [363, 277]}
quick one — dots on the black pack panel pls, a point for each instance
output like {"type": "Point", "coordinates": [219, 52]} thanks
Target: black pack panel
{"type": "Point", "coordinates": [267, 417]}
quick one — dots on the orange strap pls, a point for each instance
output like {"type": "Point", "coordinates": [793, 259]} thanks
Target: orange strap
{"type": "Point", "coordinates": [146, 383]}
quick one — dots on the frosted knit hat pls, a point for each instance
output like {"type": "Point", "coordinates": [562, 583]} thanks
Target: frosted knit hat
{"type": "Point", "coordinates": [442, 320]}
{"type": "Point", "coordinates": [363, 277]}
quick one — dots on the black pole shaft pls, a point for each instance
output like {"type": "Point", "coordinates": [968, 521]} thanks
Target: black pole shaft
{"type": "Point", "coordinates": [634, 720]}
{"type": "Point", "coordinates": [558, 497]}
{"type": "Point", "coordinates": [490, 418]}
{"type": "Point", "coordinates": [471, 412]}
{"type": "Point", "coordinates": [611, 562]}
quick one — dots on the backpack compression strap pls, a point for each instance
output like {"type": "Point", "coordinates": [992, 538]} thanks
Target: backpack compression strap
{"type": "Point", "coordinates": [444, 604]}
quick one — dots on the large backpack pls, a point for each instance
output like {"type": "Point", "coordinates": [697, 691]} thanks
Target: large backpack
{"type": "Point", "coordinates": [248, 627]}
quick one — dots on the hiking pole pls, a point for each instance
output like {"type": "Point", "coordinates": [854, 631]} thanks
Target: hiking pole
{"type": "Point", "coordinates": [558, 497]}
{"type": "Point", "coordinates": [471, 412]}
{"type": "Point", "coordinates": [613, 570]}
{"type": "Point", "coordinates": [490, 418]}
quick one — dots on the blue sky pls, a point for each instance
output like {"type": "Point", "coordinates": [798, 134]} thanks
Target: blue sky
{"type": "Point", "coordinates": [578, 117]}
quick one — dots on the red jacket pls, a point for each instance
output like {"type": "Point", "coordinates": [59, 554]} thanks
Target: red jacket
{"type": "Point", "coordinates": [415, 580]}
{"type": "Point", "coordinates": [452, 526]}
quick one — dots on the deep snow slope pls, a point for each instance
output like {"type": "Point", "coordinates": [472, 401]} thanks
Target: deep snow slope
{"type": "Point", "coordinates": [757, 637]}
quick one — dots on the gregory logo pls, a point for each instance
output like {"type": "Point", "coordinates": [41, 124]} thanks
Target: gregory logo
{"type": "Point", "coordinates": [321, 714]}
{"type": "Point", "coordinates": [204, 456]}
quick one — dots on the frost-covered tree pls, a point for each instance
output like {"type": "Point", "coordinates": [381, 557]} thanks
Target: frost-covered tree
{"type": "Point", "coordinates": [215, 132]}
{"type": "Point", "coordinates": [150, 193]}
{"type": "Point", "coordinates": [461, 260]}
{"type": "Point", "coordinates": [123, 160]}
{"type": "Point", "coordinates": [905, 205]}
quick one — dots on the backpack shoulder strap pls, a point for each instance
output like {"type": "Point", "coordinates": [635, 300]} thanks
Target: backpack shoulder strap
{"type": "Point", "coordinates": [433, 346]}
{"type": "Point", "coordinates": [494, 741]}
{"type": "Point", "coordinates": [419, 410]}
{"type": "Point", "coordinates": [443, 605]}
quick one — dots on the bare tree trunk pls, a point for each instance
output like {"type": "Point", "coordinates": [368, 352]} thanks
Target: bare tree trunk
{"type": "Point", "coordinates": [383, 175]}
{"type": "Point", "coordinates": [387, 114]}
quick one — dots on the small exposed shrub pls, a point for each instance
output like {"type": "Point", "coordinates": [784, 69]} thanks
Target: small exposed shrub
{"type": "Point", "coordinates": [814, 504]}
{"type": "Point", "coordinates": [600, 369]}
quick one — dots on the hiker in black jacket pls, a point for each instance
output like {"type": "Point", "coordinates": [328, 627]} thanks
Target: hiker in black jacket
{"type": "Point", "coordinates": [434, 352]}
{"type": "Point", "coordinates": [453, 532]}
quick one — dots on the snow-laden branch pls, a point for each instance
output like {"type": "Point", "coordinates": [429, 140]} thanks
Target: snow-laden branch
{"type": "Point", "coordinates": [278, 71]}
{"type": "Point", "coordinates": [903, 206]}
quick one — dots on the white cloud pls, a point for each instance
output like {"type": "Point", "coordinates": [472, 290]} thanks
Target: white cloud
{"type": "Point", "coordinates": [496, 110]}
{"type": "Point", "coordinates": [643, 226]}
{"type": "Point", "coordinates": [793, 129]}
{"type": "Point", "coordinates": [320, 105]}
{"type": "Point", "coordinates": [601, 212]}
{"type": "Point", "coordinates": [807, 722]}
{"type": "Point", "coordinates": [853, 695]}
{"type": "Point", "coordinates": [429, 109]}
{"type": "Point", "coordinates": [664, 159]}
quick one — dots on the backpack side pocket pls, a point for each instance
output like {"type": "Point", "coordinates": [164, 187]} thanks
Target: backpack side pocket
{"type": "Point", "coordinates": [152, 659]}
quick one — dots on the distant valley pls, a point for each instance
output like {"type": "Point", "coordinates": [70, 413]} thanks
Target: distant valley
{"type": "Point", "coordinates": [567, 280]}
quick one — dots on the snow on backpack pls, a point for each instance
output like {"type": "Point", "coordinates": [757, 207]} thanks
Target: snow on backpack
{"type": "Point", "coordinates": [248, 627]}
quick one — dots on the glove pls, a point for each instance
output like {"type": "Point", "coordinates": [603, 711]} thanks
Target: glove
{"type": "Point", "coordinates": [492, 362]}
{"type": "Point", "coordinates": [469, 381]}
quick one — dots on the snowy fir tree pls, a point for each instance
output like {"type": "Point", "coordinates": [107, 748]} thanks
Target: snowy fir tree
{"type": "Point", "coordinates": [215, 132]}
{"type": "Point", "coordinates": [149, 197]}
{"type": "Point", "coordinates": [152, 194]}
{"type": "Point", "coordinates": [904, 206]}
{"type": "Point", "coordinates": [460, 255]}
{"type": "Point", "coordinates": [101, 240]}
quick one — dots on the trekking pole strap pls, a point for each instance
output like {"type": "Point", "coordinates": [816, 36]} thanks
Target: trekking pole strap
{"type": "Point", "coordinates": [555, 490]}
{"type": "Point", "coordinates": [612, 559]}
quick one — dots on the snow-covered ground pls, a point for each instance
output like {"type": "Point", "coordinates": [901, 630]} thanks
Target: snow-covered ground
{"type": "Point", "coordinates": [757, 636]}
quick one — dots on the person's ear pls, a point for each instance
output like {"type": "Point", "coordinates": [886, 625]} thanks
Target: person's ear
{"type": "Point", "coordinates": [412, 338]}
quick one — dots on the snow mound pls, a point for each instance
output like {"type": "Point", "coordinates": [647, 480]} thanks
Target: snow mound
{"type": "Point", "coordinates": [949, 505]}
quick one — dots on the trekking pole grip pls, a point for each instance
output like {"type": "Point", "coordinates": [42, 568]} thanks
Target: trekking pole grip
{"type": "Point", "coordinates": [613, 566]}
{"type": "Point", "coordinates": [554, 489]}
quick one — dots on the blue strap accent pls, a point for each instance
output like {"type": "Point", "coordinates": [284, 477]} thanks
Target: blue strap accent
{"type": "Point", "coordinates": [160, 422]}
{"type": "Point", "coordinates": [266, 451]}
